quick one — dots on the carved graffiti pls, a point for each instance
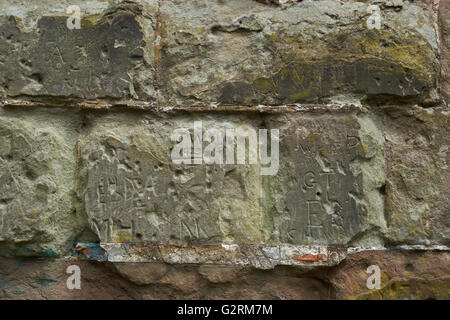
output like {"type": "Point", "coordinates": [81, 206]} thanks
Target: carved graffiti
{"type": "Point", "coordinates": [324, 205]}
{"type": "Point", "coordinates": [132, 198]}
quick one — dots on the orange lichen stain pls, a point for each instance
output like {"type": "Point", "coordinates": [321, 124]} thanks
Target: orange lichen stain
{"type": "Point", "coordinates": [310, 257]}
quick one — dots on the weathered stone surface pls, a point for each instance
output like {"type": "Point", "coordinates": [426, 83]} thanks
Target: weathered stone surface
{"type": "Point", "coordinates": [359, 117]}
{"type": "Point", "coordinates": [41, 57]}
{"type": "Point", "coordinates": [327, 189]}
{"type": "Point", "coordinates": [244, 52]}
{"type": "Point", "coordinates": [238, 52]}
{"type": "Point", "coordinates": [261, 256]}
{"type": "Point", "coordinates": [37, 174]}
{"type": "Point", "coordinates": [325, 192]}
{"type": "Point", "coordinates": [444, 27]}
{"type": "Point", "coordinates": [405, 275]}
{"type": "Point", "coordinates": [417, 189]}
{"type": "Point", "coordinates": [220, 274]}
{"type": "Point", "coordinates": [134, 192]}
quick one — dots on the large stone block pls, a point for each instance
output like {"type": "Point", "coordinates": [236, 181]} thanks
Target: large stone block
{"type": "Point", "coordinates": [324, 189]}
{"type": "Point", "coordinates": [134, 192]}
{"type": "Point", "coordinates": [327, 189]}
{"type": "Point", "coordinates": [417, 192]}
{"type": "Point", "coordinates": [250, 53]}
{"type": "Point", "coordinates": [109, 57]}
{"type": "Point", "coordinates": [37, 174]}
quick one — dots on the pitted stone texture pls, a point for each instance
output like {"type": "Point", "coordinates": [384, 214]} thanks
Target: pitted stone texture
{"type": "Point", "coordinates": [245, 52]}
{"type": "Point", "coordinates": [326, 192]}
{"type": "Point", "coordinates": [41, 57]}
{"type": "Point", "coordinates": [417, 192]}
{"type": "Point", "coordinates": [134, 192]}
{"type": "Point", "coordinates": [37, 172]}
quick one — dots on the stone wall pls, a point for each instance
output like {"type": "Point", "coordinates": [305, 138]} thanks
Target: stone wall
{"type": "Point", "coordinates": [361, 176]}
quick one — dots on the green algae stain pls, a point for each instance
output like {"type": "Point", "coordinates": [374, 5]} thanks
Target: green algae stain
{"type": "Point", "coordinates": [49, 253]}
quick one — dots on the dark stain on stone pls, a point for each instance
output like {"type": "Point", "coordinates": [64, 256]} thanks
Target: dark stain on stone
{"type": "Point", "coordinates": [236, 93]}
{"type": "Point", "coordinates": [87, 63]}
{"type": "Point", "coordinates": [304, 82]}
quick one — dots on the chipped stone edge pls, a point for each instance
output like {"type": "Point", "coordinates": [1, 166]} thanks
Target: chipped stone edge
{"type": "Point", "coordinates": [259, 256]}
{"type": "Point", "coordinates": [251, 255]}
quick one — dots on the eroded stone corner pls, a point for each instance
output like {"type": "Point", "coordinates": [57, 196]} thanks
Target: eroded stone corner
{"type": "Point", "coordinates": [37, 174]}
{"type": "Point", "coordinates": [417, 191]}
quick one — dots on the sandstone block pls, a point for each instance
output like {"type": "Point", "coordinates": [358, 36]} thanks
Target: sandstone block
{"type": "Point", "coordinates": [37, 174]}
{"type": "Point", "coordinates": [417, 192]}
{"type": "Point", "coordinates": [325, 190]}
{"type": "Point", "coordinates": [249, 53]}
{"type": "Point", "coordinates": [42, 57]}
{"type": "Point", "coordinates": [328, 187]}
